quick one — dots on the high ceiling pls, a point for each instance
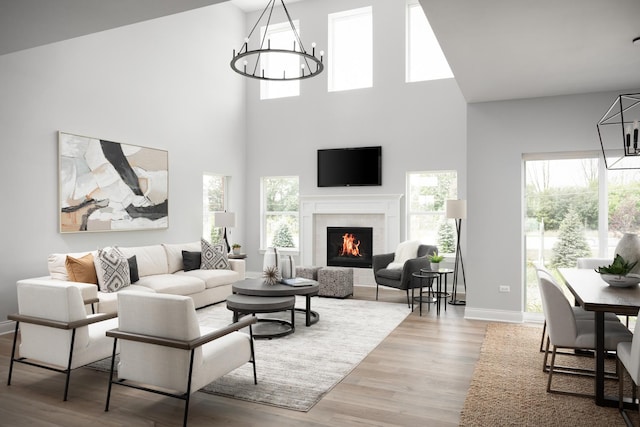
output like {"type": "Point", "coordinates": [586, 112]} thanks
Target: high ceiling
{"type": "Point", "coordinates": [497, 49]}
{"type": "Point", "coordinates": [506, 49]}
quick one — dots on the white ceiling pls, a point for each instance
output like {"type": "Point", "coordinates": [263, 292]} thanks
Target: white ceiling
{"type": "Point", "coordinates": [497, 49]}
{"type": "Point", "coordinates": [506, 49]}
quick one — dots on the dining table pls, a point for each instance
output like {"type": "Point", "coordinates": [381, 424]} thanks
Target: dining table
{"type": "Point", "coordinates": [594, 294]}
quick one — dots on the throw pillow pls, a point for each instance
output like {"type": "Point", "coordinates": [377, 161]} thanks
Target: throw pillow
{"type": "Point", "coordinates": [133, 269]}
{"type": "Point", "coordinates": [214, 257]}
{"type": "Point", "coordinates": [191, 260]}
{"type": "Point", "coordinates": [112, 269]}
{"type": "Point", "coordinates": [81, 269]}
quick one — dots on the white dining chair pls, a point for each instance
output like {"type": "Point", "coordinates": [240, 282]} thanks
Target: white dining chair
{"type": "Point", "coordinates": [579, 312]}
{"type": "Point", "coordinates": [568, 333]}
{"type": "Point", "coordinates": [629, 359]}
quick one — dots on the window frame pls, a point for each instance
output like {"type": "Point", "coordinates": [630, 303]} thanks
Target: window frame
{"type": "Point", "coordinates": [206, 208]}
{"type": "Point", "coordinates": [432, 213]}
{"type": "Point", "coordinates": [435, 57]}
{"type": "Point", "coordinates": [264, 214]}
{"type": "Point", "coordinates": [269, 87]}
{"type": "Point", "coordinates": [332, 63]}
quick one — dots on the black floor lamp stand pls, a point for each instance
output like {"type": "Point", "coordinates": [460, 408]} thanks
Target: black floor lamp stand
{"type": "Point", "coordinates": [459, 266]}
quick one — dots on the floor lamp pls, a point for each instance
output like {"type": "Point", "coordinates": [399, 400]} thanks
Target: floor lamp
{"type": "Point", "coordinates": [457, 209]}
{"type": "Point", "coordinates": [224, 219]}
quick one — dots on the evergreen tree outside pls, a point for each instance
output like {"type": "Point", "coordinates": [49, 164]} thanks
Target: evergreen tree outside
{"type": "Point", "coordinates": [571, 243]}
{"type": "Point", "coordinates": [282, 238]}
{"type": "Point", "coordinates": [446, 238]}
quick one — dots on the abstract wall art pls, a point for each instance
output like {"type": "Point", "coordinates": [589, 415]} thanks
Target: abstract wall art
{"type": "Point", "coordinates": [110, 186]}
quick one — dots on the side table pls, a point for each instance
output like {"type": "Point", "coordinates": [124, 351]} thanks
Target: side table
{"type": "Point", "coordinates": [421, 276]}
{"type": "Point", "coordinates": [442, 272]}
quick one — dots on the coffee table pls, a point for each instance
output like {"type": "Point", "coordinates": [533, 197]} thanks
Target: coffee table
{"type": "Point", "coordinates": [257, 287]}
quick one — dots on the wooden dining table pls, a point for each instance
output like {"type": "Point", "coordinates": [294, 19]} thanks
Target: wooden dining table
{"type": "Point", "coordinates": [594, 294]}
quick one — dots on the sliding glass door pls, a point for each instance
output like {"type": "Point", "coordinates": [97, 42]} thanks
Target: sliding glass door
{"type": "Point", "coordinates": [574, 207]}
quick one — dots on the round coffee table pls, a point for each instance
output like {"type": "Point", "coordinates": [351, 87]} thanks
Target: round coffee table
{"type": "Point", "coordinates": [257, 287]}
{"type": "Point", "coordinates": [246, 304]}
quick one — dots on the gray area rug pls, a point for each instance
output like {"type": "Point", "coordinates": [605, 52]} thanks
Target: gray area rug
{"type": "Point", "coordinates": [296, 371]}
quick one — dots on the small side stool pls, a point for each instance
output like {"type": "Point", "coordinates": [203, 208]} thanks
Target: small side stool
{"type": "Point", "coordinates": [308, 272]}
{"type": "Point", "coordinates": [336, 282]}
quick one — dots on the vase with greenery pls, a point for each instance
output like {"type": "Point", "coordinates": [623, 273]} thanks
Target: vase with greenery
{"type": "Point", "coordinates": [236, 248]}
{"type": "Point", "coordinates": [435, 260]}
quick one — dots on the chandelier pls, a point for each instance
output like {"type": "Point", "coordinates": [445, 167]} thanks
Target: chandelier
{"type": "Point", "coordinates": [248, 62]}
{"type": "Point", "coordinates": [620, 124]}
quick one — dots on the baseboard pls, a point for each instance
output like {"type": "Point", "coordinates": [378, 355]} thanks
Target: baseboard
{"type": "Point", "coordinates": [7, 326]}
{"type": "Point", "coordinates": [493, 315]}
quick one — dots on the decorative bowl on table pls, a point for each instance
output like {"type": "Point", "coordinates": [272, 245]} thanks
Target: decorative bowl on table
{"type": "Point", "coordinates": [621, 281]}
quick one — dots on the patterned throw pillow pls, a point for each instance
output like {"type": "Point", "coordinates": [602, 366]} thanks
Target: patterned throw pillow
{"type": "Point", "coordinates": [214, 257]}
{"type": "Point", "coordinates": [112, 269]}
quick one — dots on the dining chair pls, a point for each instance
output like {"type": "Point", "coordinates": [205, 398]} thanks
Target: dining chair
{"type": "Point", "coordinates": [629, 360]}
{"type": "Point", "coordinates": [579, 312]}
{"type": "Point", "coordinates": [568, 333]}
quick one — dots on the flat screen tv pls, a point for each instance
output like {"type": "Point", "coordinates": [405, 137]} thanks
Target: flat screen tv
{"type": "Point", "coordinates": [344, 167]}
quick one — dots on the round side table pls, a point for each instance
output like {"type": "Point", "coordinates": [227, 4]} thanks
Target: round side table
{"type": "Point", "coordinates": [420, 277]}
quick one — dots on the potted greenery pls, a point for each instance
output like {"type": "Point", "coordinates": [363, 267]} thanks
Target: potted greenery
{"type": "Point", "coordinates": [435, 260]}
{"type": "Point", "coordinates": [236, 248]}
{"type": "Point", "coordinates": [617, 274]}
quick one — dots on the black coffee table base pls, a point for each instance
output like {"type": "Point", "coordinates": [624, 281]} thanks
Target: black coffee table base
{"type": "Point", "coordinates": [267, 327]}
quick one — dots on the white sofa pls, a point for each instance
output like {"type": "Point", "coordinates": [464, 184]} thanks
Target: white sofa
{"type": "Point", "coordinates": [160, 270]}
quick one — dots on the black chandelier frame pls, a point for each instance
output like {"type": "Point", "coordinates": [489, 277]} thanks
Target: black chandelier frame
{"type": "Point", "coordinates": [239, 62]}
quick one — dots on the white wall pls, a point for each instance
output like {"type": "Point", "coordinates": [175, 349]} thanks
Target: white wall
{"type": "Point", "coordinates": [498, 134]}
{"type": "Point", "coordinates": [420, 126]}
{"type": "Point", "coordinates": [163, 83]}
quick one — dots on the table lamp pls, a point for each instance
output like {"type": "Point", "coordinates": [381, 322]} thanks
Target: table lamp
{"type": "Point", "coordinates": [224, 219]}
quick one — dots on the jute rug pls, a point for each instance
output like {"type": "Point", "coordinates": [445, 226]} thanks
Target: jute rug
{"type": "Point", "coordinates": [296, 371]}
{"type": "Point", "coordinates": [509, 388]}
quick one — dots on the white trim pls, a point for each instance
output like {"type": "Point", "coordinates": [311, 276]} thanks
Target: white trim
{"type": "Point", "coordinates": [493, 315]}
{"type": "Point", "coordinates": [7, 326]}
{"type": "Point", "coordinates": [386, 204]}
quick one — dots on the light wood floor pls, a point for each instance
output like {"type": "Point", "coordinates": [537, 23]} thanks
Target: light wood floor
{"type": "Point", "coordinates": [418, 376]}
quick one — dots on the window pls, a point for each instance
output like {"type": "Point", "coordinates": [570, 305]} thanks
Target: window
{"type": "Point", "coordinates": [424, 57]}
{"type": "Point", "coordinates": [574, 208]}
{"type": "Point", "coordinates": [280, 36]}
{"type": "Point", "coordinates": [280, 204]}
{"type": "Point", "coordinates": [350, 49]}
{"type": "Point", "coordinates": [427, 196]}
{"type": "Point", "coordinates": [214, 189]}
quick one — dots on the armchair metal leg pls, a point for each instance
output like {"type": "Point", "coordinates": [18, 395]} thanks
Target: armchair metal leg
{"type": "Point", "coordinates": [408, 301]}
{"type": "Point", "coordinates": [113, 361]}
{"type": "Point", "coordinates": [377, 286]}
{"type": "Point", "coordinates": [253, 355]}
{"type": "Point", "coordinates": [188, 394]}
{"type": "Point", "coordinates": [66, 384]}
{"type": "Point", "coordinates": [13, 353]}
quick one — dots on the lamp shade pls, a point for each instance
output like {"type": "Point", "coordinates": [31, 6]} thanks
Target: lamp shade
{"type": "Point", "coordinates": [224, 219]}
{"type": "Point", "coordinates": [456, 209]}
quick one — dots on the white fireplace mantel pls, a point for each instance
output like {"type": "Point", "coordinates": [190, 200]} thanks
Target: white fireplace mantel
{"type": "Point", "coordinates": [384, 204]}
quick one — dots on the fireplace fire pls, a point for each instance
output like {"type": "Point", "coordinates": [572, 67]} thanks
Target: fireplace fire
{"type": "Point", "coordinates": [349, 246]}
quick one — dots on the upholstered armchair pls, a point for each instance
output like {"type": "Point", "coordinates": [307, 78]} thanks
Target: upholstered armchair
{"type": "Point", "coordinates": [164, 350]}
{"type": "Point", "coordinates": [56, 333]}
{"type": "Point", "coordinates": [395, 269]}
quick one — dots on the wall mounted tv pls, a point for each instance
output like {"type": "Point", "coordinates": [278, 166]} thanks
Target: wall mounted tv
{"type": "Point", "coordinates": [344, 167]}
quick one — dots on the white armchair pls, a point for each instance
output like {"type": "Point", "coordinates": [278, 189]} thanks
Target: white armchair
{"type": "Point", "coordinates": [162, 346]}
{"type": "Point", "coordinates": [56, 333]}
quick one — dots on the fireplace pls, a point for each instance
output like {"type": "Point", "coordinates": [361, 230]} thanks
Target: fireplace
{"type": "Point", "coordinates": [349, 246]}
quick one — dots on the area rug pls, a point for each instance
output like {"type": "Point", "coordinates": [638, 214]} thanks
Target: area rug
{"type": "Point", "coordinates": [509, 387]}
{"type": "Point", "coordinates": [296, 371]}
